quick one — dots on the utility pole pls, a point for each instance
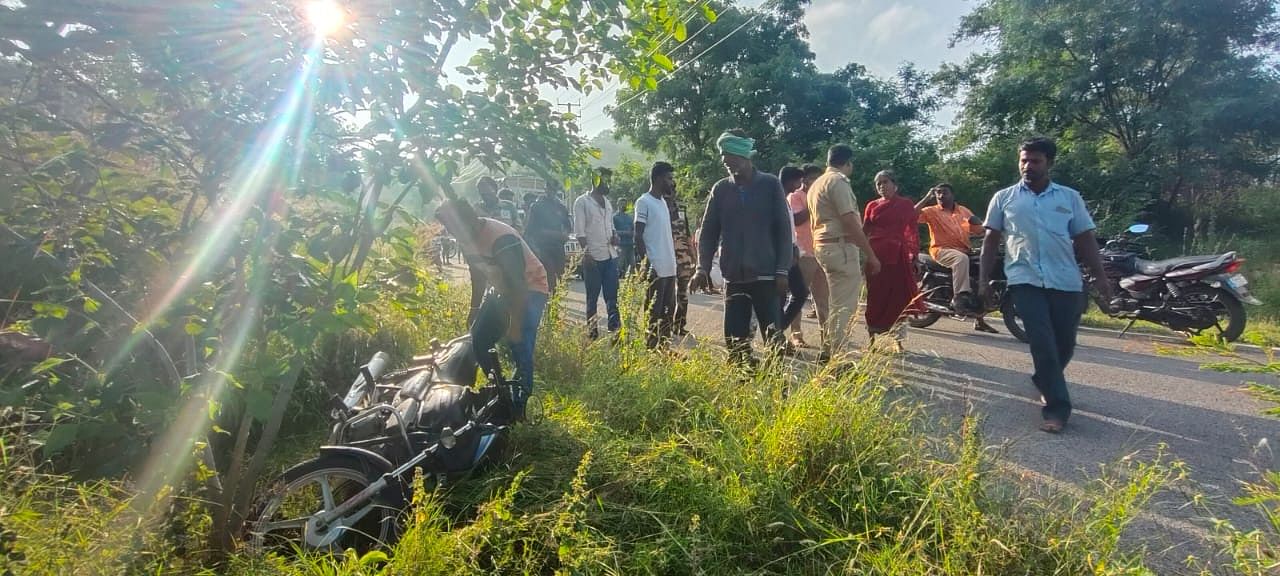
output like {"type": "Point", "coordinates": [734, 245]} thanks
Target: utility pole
{"type": "Point", "coordinates": [569, 106]}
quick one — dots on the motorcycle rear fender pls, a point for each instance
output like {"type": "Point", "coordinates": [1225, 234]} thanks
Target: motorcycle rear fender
{"type": "Point", "coordinates": [1242, 294]}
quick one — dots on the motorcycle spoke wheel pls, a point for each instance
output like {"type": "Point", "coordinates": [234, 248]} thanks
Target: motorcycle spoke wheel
{"type": "Point", "coordinates": [282, 521]}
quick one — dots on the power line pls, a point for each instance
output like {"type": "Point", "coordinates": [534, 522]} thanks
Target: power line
{"type": "Point", "coordinates": [617, 83]}
{"type": "Point", "coordinates": [681, 66]}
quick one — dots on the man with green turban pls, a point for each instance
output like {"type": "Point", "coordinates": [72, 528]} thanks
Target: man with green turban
{"type": "Point", "coordinates": [748, 220]}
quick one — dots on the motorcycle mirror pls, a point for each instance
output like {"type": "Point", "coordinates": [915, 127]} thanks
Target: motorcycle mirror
{"type": "Point", "coordinates": [1139, 229]}
{"type": "Point", "coordinates": [447, 439]}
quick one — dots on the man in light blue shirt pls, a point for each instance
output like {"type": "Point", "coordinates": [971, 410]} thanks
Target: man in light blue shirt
{"type": "Point", "coordinates": [1046, 229]}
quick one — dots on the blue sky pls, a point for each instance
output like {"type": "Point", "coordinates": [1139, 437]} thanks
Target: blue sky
{"type": "Point", "coordinates": [879, 34]}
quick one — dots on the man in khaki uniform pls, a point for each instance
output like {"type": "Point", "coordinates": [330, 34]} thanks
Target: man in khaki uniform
{"type": "Point", "coordinates": [838, 240]}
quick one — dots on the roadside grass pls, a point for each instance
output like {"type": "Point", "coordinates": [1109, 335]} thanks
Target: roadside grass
{"type": "Point", "coordinates": [679, 464]}
{"type": "Point", "coordinates": [650, 463]}
{"type": "Point", "coordinates": [1258, 331]}
{"type": "Point", "coordinates": [53, 525]}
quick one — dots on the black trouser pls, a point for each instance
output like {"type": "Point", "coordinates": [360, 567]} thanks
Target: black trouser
{"type": "Point", "coordinates": [1051, 318]}
{"type": "Point", "coordinates": [660, 299]}
{"type": "Point", "coordinates": [799, 295]}
{"type": "Point", "coordinates": [740, 300]}
{"type": "Point", "coordinates": [553, 260]}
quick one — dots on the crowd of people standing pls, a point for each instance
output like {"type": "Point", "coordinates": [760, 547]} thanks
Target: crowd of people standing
{"type": "Point", "coordinates": [778, 240]}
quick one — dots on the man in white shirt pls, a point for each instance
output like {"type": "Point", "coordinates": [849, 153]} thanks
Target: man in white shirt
{"type": "Point", "coordinates": [655, 245]}
{"type": "Point", "coordinates": [593, 228]}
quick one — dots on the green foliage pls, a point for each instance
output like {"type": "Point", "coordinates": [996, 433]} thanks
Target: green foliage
{"type": "Point", "coordinates": [1159, 104]}
{"type": "Point", "coordinates": [753, 70]}
{"type": "Point", "coordinates": [230, 267]}
{"type": "Point", "coordinates": [681, 465]}
{"type": "Point", "coordinates": [51, 525]}
{"type": "Point", "coordinates": [1257, 551]}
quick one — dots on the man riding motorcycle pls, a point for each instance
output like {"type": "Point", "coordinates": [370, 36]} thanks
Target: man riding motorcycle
{"type": "Point", "coordinates": [950, 227]}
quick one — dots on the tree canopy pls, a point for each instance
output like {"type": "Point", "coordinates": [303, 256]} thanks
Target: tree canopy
{"type": "Point", "coordinates": [233, 176]}
{"type": "Point", "coordinates": [1167, 104]}
{"type": "Point", "coordinates": [753, 69]}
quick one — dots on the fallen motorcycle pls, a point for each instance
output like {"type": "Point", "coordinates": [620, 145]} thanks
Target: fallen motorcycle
{"type": "Point", "coordinates": [429, 416]}
{"type": "Point", "coordinates": [1191, 294]}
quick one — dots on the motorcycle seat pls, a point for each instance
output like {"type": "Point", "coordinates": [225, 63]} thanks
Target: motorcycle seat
{"type": "Point", "coordinates": [439, 406]}
{"type": "Point", "coordinates": [444, 405]}
{"type": "Point", "coordinates": [457, 363]}
{"type": "Point", "coordinates": [1162, 267]}
{"type": "Point", "coordinates": [932, 264]}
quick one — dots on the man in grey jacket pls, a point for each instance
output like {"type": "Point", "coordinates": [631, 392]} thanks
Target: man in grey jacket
{"type": "Point", "coordinates": [748, 220]}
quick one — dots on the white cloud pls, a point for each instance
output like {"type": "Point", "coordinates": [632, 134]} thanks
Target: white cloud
{"type": "Point", "coordinates": [895, 23]}
{"type": "Point", "coordinates": [883, 34]}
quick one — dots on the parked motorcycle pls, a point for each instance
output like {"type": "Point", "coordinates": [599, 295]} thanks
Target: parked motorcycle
{"type": "Point", "coordinates": [1189, 294]}
{"type": "Point", "coordinates": [429, 416]}
{"type": "Point", "coordinates": [937, 294]}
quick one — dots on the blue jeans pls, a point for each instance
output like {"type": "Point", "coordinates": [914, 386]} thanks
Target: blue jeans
{"type": "Point", "coordinates": [1051, 318]}
{"type": "Point", "coordinates": [522, 351]}
{"type": "Point", "coordinates": [489, 326]}
{"type": "Point", "coordinates": [799, 294]}
{"type": "Point", "coordinates": [600, 274]}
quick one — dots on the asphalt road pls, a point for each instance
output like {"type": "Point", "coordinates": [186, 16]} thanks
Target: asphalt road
{"type": "Point", "coordinates": [1128, 400]}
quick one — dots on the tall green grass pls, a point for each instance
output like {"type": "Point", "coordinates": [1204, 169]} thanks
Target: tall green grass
{"type": "Point", "coordinates": [650, 463]}
{"type": "Point", "coordinates": [679, 464]}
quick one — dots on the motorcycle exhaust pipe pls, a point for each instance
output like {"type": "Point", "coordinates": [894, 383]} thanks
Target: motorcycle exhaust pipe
{"type": "Point", "coordinates": [930, 306]}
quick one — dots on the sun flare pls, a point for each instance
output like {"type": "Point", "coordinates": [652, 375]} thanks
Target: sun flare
{"type": "Point", "coordinates": [326, 16]}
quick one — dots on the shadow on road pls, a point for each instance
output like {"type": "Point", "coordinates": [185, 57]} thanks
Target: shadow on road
{"type": "Point", "coordinates": [1126, 355]}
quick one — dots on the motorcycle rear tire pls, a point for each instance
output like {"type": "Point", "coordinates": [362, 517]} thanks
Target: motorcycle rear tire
{"type": "Point", "coordinates": [1012, 323]}
{"type": "Point", "coordinates": [378, 528]}
{"type": "Point", "coordinates": [924, 320]}
{"type": "Point", "coordinates": [1236, 318]}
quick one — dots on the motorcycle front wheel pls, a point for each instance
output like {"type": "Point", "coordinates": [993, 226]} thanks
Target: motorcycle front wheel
{"type": "Point", "coordinates": [285, 519]}
{"type": "Point", "coordinates": [1012, 321]}
{"type": "Point", "coordinates": [924, 320]}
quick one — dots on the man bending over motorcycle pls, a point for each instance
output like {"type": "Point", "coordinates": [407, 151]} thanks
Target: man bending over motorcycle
{"type": "Point", "coordinates": [497, 257]}
{"type": "Point", "coordinates": [950, 227]}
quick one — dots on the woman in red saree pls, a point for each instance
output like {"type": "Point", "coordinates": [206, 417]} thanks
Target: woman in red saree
{"type": "Point", "coordinates": [891, 225]}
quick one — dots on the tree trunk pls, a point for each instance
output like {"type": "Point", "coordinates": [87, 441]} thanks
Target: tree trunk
{"type": "Point", "coordinates": [366, 231]}
{"type": "Point", "coordinates": [224, 530]}
{"type": "Point", "coordinates": [263, 449]}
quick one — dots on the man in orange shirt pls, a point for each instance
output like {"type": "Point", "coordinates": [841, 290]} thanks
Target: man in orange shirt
{"type": "Point", "coordinates": [950, 227]}
{"type": "Point", "coordinates": [497, 257]}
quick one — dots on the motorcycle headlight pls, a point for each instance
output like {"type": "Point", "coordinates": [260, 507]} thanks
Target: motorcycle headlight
{"type": "Point", "coordinates": [447, 439]}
